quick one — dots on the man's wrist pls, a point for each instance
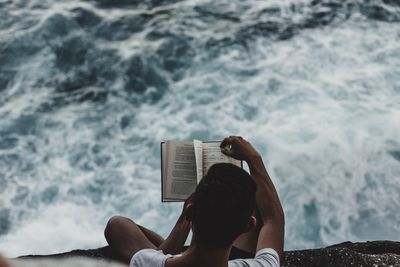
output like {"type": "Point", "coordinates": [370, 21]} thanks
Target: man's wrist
{"type": "Point", "coordinates": [182, 220]}
{"type": "Point", "coordinates": [254, 159]}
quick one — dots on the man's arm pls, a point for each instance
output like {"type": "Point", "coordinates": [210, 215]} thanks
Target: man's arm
{"type": "Point", "coordinates": [272, 232]}
{"type": "Point", "coordinates": [177, 238]}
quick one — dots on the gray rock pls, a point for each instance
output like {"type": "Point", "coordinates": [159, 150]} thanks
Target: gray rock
{"type": "Point", "coordinates": [363, 254]}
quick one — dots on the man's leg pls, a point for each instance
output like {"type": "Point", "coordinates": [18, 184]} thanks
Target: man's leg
{"type": "Point", "coordinates": [154, 238]}
{"type": "Point", "coordinates": [248, 241]}
{"type": "Point", "coordinates": [126, 238]}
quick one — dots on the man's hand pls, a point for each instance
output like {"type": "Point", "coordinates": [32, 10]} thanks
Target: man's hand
{"type": "Point", "coordinates": [238, 148]}
{"type": "Point", "coordinates": [177, 238]}
{"type": "Point", "coordinates": [188, 201]}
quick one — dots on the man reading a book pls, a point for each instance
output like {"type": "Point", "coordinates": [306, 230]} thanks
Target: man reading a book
{"type": "Point", "coordinates": [236, 220]}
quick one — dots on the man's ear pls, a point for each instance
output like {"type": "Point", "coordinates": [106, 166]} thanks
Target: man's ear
{"type": "Point", "coordinates": [189, 212]}
{"type": "Point", "coordinates": [251, 224]}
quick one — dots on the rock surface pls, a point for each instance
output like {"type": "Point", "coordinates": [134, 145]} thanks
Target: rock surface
{"type": "Point", "coordinates": [374, 253]}
{"type": "Point", "coordinates": [65, 262]}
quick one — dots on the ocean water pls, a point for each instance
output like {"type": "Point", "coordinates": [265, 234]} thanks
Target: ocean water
{"type": "Point", "coordinates": [88, 90]}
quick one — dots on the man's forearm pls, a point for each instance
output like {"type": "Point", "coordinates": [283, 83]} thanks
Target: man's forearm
{"type": "Point", "coordinates": [177, 238]}
{"type": "Point", "coordinates": [273, 230]}
{"type": "Point", "coordinates": [267, 198]}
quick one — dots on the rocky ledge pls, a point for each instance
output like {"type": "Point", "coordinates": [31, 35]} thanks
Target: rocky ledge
{"type": "Point", "coordinates": [374, 253]}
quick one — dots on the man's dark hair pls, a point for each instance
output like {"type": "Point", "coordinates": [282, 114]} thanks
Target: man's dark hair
{"type": "Point", "coordinates": [222, 205]}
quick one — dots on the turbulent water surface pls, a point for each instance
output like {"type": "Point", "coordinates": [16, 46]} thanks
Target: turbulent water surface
{"type": "Point", "coordinates": [88, 89]}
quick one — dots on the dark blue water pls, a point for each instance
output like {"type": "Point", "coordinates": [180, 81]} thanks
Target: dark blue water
{"type": "Point", "coordinates": [88, 89]}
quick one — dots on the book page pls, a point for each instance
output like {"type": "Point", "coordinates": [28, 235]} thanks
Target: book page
{"type": "Point", "coordinates": [212, 154]}
{"type": "Point", "coordinates": [198, 152]}
{"type": "Point", "coordinates": [181, 173]}
{"type": "Point", "coordinates": [163, 169]}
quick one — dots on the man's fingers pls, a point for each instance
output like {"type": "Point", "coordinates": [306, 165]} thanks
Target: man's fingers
{"type": "Point", "coordinates": [223, 143]}
{"type": "Point", "coordinates": [227, 145]}
{"type": "Point", "coordinates": [226, 141]}
{"type": "Point", "coordinates": [190, 198]}
{"type": "Point", "coordinates": [231, 140]}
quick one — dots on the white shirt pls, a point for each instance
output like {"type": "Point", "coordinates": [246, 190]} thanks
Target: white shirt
{"type": "Point", "coordinates": [266, 257]}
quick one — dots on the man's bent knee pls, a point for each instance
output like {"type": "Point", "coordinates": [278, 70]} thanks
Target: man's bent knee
{"type": "Point", "coordinates": [116, 220]}
{"type": "Point", "coordinates": [125, 237]}
{"type": "Point", "coordinates": [113, 224]}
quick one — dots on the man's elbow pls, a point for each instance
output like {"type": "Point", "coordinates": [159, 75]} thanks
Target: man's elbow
{"type": "Point", "coordinates": [281, 215]}
{"type": "Point", "coordinates": [276, 216]}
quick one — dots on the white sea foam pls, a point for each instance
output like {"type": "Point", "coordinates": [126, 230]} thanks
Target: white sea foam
{"type": "Point", "coordinates": [57, 227]}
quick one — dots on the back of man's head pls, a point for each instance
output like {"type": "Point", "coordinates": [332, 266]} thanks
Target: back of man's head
{"type": "Point", "coordinates": [222, 205]}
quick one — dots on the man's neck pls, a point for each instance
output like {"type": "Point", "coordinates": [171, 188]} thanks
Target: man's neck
{"type": "Point", "coordinates": [197, 255]}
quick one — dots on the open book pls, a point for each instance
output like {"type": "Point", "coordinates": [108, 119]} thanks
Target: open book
{"type": "Point", "coordinates": [184, 163]}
